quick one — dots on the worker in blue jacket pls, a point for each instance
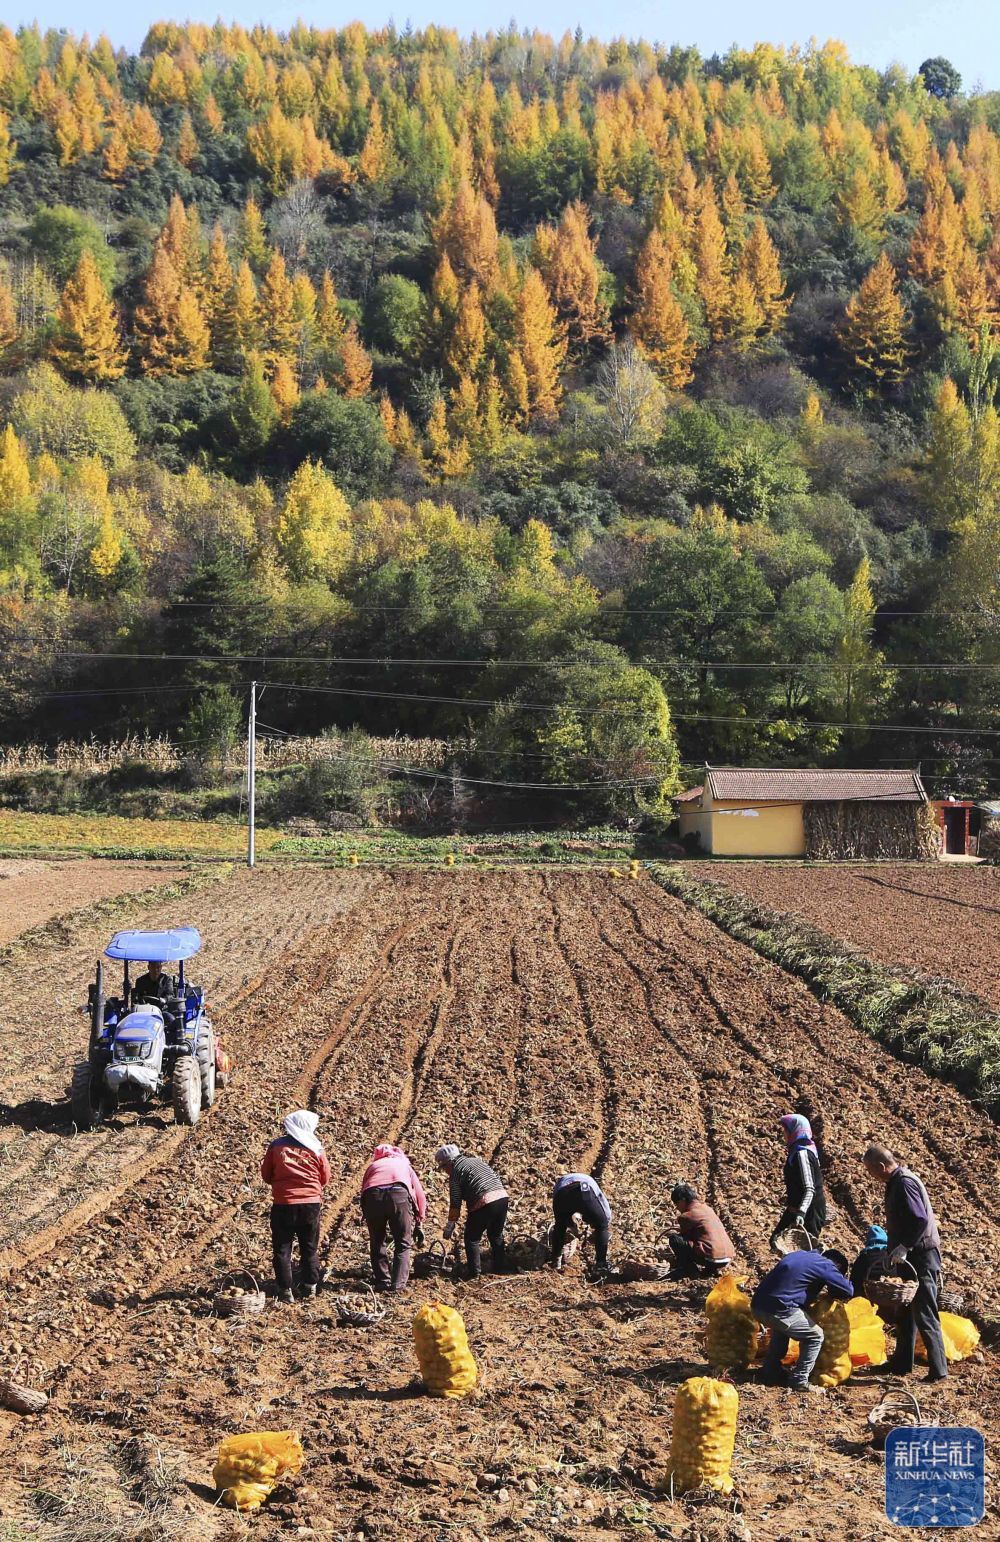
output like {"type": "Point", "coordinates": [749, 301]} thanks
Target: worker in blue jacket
{"type": "Point", "coordinates": [782, 1302]}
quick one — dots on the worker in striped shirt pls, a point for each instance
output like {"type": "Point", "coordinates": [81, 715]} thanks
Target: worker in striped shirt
{"type": "Point", "coordinates": [474, 1184]}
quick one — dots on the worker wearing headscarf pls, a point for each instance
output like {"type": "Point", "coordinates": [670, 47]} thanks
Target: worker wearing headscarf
{"type": "Point", "coordinates": [805, 1199]}
{"type": "Point", "coordinates": [297, 1170]}
{"type": "Point", "coordinates": [392, 1197]}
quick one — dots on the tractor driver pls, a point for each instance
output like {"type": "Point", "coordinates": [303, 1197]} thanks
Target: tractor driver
{"type": "Point", "coordinates": [156, 986]}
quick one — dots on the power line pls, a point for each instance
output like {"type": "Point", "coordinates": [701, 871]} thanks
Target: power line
{"type": "Point", "coordinates": [390, 661]}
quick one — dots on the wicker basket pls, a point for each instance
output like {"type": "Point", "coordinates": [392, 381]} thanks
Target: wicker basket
{"type": "Point", "coordinates": [890, 1295]}
{"type": "Point", "coordinates": [359, 1311]}
{"type": "Point", "coordinates": [433, 1261]}
{"type": "Point", "coordinates": [20, 1399]}
{"type": "Point", "coordinates": [951, 1301]}
{"type": "Point", "coordinates": [894, 1411]}
{"type": "Point", "coordinates": [527, 1252]}
{"type": "Point", "coordinates": [794, 1239]}
{"type": "Point", "coordinates": [633, 1269]}
{"type": "Point", "coordinates": [232, 1300]}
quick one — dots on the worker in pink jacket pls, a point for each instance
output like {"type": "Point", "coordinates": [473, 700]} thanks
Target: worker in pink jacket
{"type": "Point", "coordinates": [392, 1197]}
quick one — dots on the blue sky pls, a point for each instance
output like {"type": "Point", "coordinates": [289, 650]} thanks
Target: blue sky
{"type": "Point", "coordinates": [877, 32]}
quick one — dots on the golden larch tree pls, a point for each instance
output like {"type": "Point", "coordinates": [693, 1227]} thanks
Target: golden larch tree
{"type": "Point", "coordinates": [873, 332]}
{"type": "Point", "coordinates": [712, 263]}
{"type": "Point", "coordinates": [354, 373]}
{"type": "Point", "coordinates": [541, 345]}
{"type": "Point", "coordinates": [466, 232]}
{"type": "Point", "coordinates": [466, 346]}
{"type": "Point", "coordinates": [239, 324]}
{"type": "Point", "coordinates": [171, 332]}
{"type": "Point", "coordinates": [252, 239]}
{"type": "Point", "coordinates": [278, 327]}
{"type": "Point", "coordinates": [658, 324]}
{"type": "Point", "coordinates": [188, 148]}
{"type": "Point", "coordinates": [567, 260]}
{"type": "Point", "coordinates": [87, 342]}
{"type": "Point", "coordinates": [761, 266]}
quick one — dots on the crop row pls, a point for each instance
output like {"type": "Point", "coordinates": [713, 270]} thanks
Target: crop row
{"type": "Point", "coordinates": [950, 1033]}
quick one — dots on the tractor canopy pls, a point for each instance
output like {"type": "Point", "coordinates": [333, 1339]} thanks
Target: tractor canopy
{"type": "Point", "coordinates": [182, 942]}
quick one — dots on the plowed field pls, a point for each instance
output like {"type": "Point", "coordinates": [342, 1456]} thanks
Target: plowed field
{"type": "Point", "coordinates": [538, 1020]}
{"type": "Point", "coordinates": [32, 892]}
{"type": "Point", "coordinates": [940, 919]}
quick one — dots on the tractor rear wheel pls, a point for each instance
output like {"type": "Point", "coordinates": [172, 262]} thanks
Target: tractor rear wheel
{"type": "Point", "coordinates": [185, 1090]}
{"type": "Point", "coordinates": [86, 1098]}
{"type": "Point", "coordinates": [206, 1067]}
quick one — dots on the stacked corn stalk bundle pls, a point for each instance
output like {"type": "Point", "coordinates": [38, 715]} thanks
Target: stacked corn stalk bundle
{"type": "Point", "coordinates": [862, 831]}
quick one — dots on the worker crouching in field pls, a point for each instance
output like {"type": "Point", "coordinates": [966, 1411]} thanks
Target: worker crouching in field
{"type": "Point", "coordinates": [912, 1236]}
{"type": "Point", "coordinates": [392, 1198]}
{"type": "Point", "coordinates": [297, 1170]}
{"type": "Point", "coordinates": [805, 1200]}
{"type": "Point", "coordinates": [577, 1194]}
{"type": "Point", "coordinates": [701, 1244]}
{"type": "Point", "coordinates": [782, 1302]}
{"type": "Point", "coordinates": [475, 1184]}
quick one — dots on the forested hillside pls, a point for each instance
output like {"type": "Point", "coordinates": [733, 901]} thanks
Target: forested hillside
{"type": "Point", "coordinates": [639, 407]}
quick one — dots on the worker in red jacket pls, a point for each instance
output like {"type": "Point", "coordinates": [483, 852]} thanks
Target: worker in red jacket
{"type": "Point", "coordinates": [297, 1170]}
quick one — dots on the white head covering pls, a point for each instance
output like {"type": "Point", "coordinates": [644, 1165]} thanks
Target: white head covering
{"type": "Point", "coordinates": [445, 1155]}
{"type": "Point", "coordinates": [301, 1126]}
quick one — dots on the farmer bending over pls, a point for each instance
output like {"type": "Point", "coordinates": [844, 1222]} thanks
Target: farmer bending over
{"type": "Point", "coordinates": [578, 1194]}
{"type": "Point", "coordinates": [297, 1170]}
{"type": "Point", "coordinates": [782, 1302]}
{"type": "Point", "coordinates": [392, 1196]}
{"type": "Point", "coordinates": [474, 1183]}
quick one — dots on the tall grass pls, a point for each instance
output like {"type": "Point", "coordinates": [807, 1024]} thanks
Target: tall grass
{"type": "Point", "coordinates": [932, 1022]}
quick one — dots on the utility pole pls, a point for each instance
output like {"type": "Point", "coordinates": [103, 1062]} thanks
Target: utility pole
{"type": "Point", "coordinates": [251, 774]}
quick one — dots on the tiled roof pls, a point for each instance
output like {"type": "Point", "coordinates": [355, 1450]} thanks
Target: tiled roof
{"type": "Point", "coordinates": [805, 786]}
{"type": "Point", "coordinates": [692, 795]}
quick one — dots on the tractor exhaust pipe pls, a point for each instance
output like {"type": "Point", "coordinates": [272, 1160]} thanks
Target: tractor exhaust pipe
{"type": "Point", "coordinates": [97, 1014]}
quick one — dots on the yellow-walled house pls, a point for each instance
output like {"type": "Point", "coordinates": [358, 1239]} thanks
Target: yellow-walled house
{"type": "Point", "coordinates": [756, 812]}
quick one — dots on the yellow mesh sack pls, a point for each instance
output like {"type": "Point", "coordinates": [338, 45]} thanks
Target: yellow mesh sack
{"type": "Point", "coordinates": [867, 1343]}
{"type": "Point", "coordinates": [834, 1363]}
{"type": "Point", "coordinates": [446, 1362]}
{"type": "Point", "coordinates": [704, 1434]}
{"type": "Point", "coordinates": [732, 1335]}
{"type": "Point", "coordinates": [960, 1338]}
{"type": "Point", "coordinates": [248, 1467]}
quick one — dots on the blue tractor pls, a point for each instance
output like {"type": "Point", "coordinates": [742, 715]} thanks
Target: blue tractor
{"type": "Point", "coordinates": [153, 1041]}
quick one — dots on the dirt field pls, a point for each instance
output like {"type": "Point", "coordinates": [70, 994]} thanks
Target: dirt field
{"type": "Point", "coordinates": [539, 1020]}
{"type": "Point", "coordinates": [32, 892]}
{"type": "Point", "coordinates": [941, 919]}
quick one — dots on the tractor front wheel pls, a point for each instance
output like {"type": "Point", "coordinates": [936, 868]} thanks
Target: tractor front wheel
{"type": "Point", "coordinates": [185, 1090]}
{"type": "Point", "coordinates": [206, 1067]}
{"type": "Point", "coordinates": [86, 1098]}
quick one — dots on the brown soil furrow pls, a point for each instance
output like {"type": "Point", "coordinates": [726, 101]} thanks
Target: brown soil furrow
{"type": "Point", "coordinates": [610, 1093]}
{"type": "Point", "coordinates": [422, 1025]}
{"type": "Point", "coordinates": [836, 1075]}
{"type": "Point", "coordinates": [704, 1165]}
{"type": "Point", "coordinates": [935, 917]}
{"type": "Point", "coordinates": [941, 1149]}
